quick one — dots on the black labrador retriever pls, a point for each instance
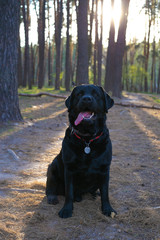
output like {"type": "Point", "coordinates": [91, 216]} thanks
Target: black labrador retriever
{"type": "Point", "coordinates": [83, 163]}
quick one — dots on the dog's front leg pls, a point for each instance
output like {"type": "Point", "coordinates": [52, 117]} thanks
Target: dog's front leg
{"type": "Point", "coordinates": [66, 211]}
{"type": "Point", "coordinates": [104, 190]}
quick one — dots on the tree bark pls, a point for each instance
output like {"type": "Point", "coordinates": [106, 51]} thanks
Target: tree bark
{"type": "Point", "coordinates": [41, 42]}
{"type": "Point", "coordinates": [95, 44]}
{"type": "Point", "coordinates": [49, 47]}
{"type": "Point", "coordinates": [68, 55]}
{"type": "Point", "coordinates": [26, 20]}
{"type": "Point", "coordinates": [110, 61]}
{"type": "Point", "coordinates": [146, 54]}
{"type": "Point", "coordinates": [73, 61]}
{"type": "Point", "coordinates": [82, 61]}
{"type": "Point", "coordinates": [152, 82]}
{"type": "Point", "coordinates": [158, 86]}
{"type": "Point", "coordinates": [9, 36]}
{"type": "Point", "coordinates": [58, 28]}
{"type": "Point", "coordinates": [100, 47]}
{"type": "Point", "coordinates": [32, 65]}
{"type": "Point", "coordinates": [126, 80]}
{"type": "Point", "coordinates": [20, 73]}
{"type": "Point", "coordinates": [120, 48]}
{"type": "Point", "coordinates": [49, 65]}
{"type": "Point", "coordinates": [91, 15]}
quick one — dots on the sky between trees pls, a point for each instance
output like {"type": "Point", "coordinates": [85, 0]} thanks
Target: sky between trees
{"type": "Point", "coordinates": [137, 22]}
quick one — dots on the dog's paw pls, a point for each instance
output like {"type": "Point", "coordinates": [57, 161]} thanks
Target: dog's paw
{"type": "Point", "coordinates": [78, 198]}
{"type": "Point", "coordinates": [52, 199]}
{"type": "Point", "coordinates": [65, 212]}
{"type": "Point", "coordinates": [109, 212]}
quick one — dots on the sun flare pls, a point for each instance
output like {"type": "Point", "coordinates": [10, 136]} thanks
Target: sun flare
{"type": "Point", "coordinates": [116, 13]}
{"type": "Point", "coordinates": [110, 13]}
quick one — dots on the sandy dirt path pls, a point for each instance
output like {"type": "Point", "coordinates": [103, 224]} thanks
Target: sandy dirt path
{"type": "Point", "coordinates": [27, 149]}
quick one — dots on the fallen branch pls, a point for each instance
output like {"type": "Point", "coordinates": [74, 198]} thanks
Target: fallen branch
{"type": "Point", "coordinates": [64, 97]}
{"type": "Point", "coordinates": [151, 208]}
{"type": "Point", "coordinates": [14, 155]}
{"type": "Point", "coordinates": [40, 94]}
{"type": "Point", "coordinates": [137, 106]}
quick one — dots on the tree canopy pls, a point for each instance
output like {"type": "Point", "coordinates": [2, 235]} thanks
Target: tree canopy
{"type": "Point", "coordinates": [73, 48]}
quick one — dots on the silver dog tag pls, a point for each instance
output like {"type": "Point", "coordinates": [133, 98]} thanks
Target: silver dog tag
{"type": "Point", "coordinates": [87, 150]}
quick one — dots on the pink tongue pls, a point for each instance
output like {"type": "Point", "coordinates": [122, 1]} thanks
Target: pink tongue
{"type": "Point", "coordinates": [80, 117]}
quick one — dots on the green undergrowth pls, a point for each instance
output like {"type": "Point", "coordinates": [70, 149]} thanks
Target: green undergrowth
{"type": "Point", "coordinates": [36, 90]}
{"type": "Point", "coordinates": [156, 99]}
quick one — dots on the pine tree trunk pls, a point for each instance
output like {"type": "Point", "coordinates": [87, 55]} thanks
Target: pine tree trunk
{"type": "Point", "coordinates": [41, 42]}
{"type": "Point", "coordinates": [100, 47]}
{"type": "Point", "coordinates": [152, 85]}
{"type": "Point", "coordinates": [82, 61]}
{"type": "Point", "coordinates": [91, 27]}
{"type": "Point", "coordinates": [95, 45]}
{"type": "Point", "coordinates": [147, 45]}
{"type": "Point", "coordinates": [126, 80]}
{"type": "Point", "coordinates": [32, 65]}
{"type": "Point", "coordinates": [49, 47]}
{"type": "Point", "coordinates": [9, 35]}
{"type": "Point", "coordinates": [73, 60]}
{"type": "Point", "coordinates": [68, 58]}
{"type": "Point", "coordinates": [110, 61]}
{"type": "Point", "coordinates": [158, 87]}
{"type": "Point", "coordinates": [58, 28]}
{"type": "Point", "coordinates": [120, 48]}
{"type": "Point", "coordinates": [25, 8]}
{"type": "Point", "coordinates": [20, 74]}
{"type": "Point", "coordinates": [49, 65]}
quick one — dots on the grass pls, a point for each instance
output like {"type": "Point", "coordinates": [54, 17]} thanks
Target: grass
{"type": "Point", "coordinates": [35, 90]}
{"type": "Point", "coordinates": [156, 99]}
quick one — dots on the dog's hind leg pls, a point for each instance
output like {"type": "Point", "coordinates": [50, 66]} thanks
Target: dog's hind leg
{"type": "Point", "coordinates": [77, 197]}
{"type": "Point", "coordinates": [52, 183]}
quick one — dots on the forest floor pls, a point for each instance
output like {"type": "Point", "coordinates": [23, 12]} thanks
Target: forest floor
{"type": "Point", "coordinates": [27, 148]}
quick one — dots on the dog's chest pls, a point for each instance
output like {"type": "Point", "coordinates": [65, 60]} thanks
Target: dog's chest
{"type": "Point", "coordinates": [87, 173]}
{"type": "Point", "coordinates": [80, 160]}
{"type": "Point", "coordinates": [86, 165]}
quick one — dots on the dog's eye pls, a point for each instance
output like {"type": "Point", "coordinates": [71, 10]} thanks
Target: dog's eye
{"type": "Point", "coordinates": [95, 94]}
{"type": "Point", "coordinates": [79, 94]}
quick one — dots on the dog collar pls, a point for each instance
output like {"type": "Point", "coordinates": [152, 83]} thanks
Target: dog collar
{"type": "Point", "coordinates": [87, 148]}
{"type": "Point", "coordinates": [73, 130]}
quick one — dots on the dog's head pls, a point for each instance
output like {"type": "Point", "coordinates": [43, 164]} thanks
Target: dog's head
{"type": "Point", "coordinates": [86, 105]}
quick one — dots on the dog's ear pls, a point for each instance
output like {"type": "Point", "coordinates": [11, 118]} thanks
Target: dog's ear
{"type": "Point", "coordinates": [109, 102]}
{"type": "Point", "coordinates": [68, 102]}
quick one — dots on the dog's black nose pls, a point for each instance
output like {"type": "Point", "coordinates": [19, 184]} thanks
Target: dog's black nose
{"type": "Point", "coordinates": [87, 99]}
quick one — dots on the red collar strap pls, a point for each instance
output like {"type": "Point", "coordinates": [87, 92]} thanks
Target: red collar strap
{"type": "Point", "coordinates": [87, 148]}
{"type": "Point", "coordinates": [89, 140]}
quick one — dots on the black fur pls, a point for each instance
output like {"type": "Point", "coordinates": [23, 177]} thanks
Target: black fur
{"type": "Point", "coordinates": [73, 172]}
